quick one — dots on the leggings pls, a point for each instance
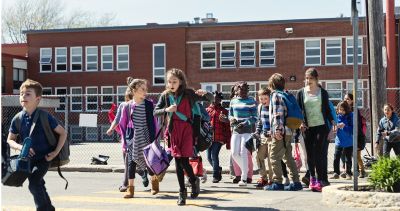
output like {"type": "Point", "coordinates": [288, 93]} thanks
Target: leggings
{"type": "Point", "coordinates": [182, 163]}
{"type": "Point", "coordinates": [315, 138]}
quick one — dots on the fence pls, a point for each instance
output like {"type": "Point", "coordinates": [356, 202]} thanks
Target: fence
{"type": "Point", "coordinates": [87, 142]}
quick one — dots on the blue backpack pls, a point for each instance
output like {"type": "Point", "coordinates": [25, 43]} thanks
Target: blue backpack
{"type": "Point", "coordinates": [294, 116]}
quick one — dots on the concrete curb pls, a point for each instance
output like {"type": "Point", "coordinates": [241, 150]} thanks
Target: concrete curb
{"type": "Point", "coordinates": [335, 195]}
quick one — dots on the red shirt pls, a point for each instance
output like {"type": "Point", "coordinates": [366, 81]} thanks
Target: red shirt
{"type": "Point", "coordinates": [222, 130]}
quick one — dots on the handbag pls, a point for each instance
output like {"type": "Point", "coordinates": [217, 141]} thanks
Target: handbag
{"type": "Point", "coordinates": [297, 157]}
{"type": "Point", "coordinates": [19, 166]}
{"type": "Point", "coordinates": [197, 165]}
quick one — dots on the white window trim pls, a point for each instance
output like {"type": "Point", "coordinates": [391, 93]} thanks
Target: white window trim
{"type": "Point", "coordinates": [204, 85]}
{"type": "Point", "coordinates": [362, 53]}
{"type": "Point", "coordinates": [123, 93]}
{"type": "Point", "coordinates": [87, 96]}
{"type": "Point", "coordinates": [227, 58]}
{"type": "Point", "coordinates": [66, 92]}
{"type": "Point", "coordinates": [326, 52]}
{"type": "Point", "coordinates": [118, 61]}
{"type": "Point", "coordinates": [364, 91]}
{"type": "Point", "coordinates": [104, 136]}
{"type": "Point", "coordinates": [75, 103]}
{"type": "Point", "coordinates": [87, 134]}
{"type": "Point", "coordinates": [305, 52]}
{"type": "Point", "coordinates": [247, 57]}
{"type": "Point", "coordinates": [105, 54]}
{"type": "Point", "coordinates": [214, 59]}
{"type": "Point", "coordinates": [97, 60]}
{"type": "Point", "coordinates": [49, 63]}
{"type": "Point", "coordinates": [72, 55]}
{"type": "Point", "coordinates": [102, 96]}
{"type": "Point", "coordinates": [66, 59]}
{"type": "Point", "coordinates": [159, 68]}
{"type": "Point", "coordinates": [266, 57]}
{"type": "Point", "coordinates": [340, 89]}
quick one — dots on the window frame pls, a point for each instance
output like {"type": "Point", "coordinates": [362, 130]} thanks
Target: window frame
{"type": "Point", "coordinates": [75, 55]}
{"type": "Point", "coordinates": [72, 133]}
{"type": "Point", "coordinates": [221, 51]}
{"type": "Point", "coordinates": [335, 90]}
{"type": "Point", "coordinates": [61, 103]}
{"type": "Point", "coordinates": [208, 59]}
{"type": "Point", "coordinates": [47, 88]}
{"type": "Point", "coordinates": [57, 56]}
{"type": "Point", "coordinates": [104, 135]}
{"type": "Point", "coordinates": [363, 89]}
{"type": "Point", "coordinates": [242, 58]}
{"type": "Point", "coordinates": [94, 139]}
{"type": "Point", "coordinates": [123, 61]}
{"type": "Point", "coordinates": [72, 97]}
{"type": "Point", "coordinates": [45, 63]}
{"type": "Point", "coordinates": [107, 54]}
{"type": "Point", "coordinates": [87, 56]}
{"type": "Point", "coordinates": [333, 56]}
{"type": "Point", "coordinates": [159, 68]}
{"type": "Point", "coordinates": [87, 97]}
{"type": "Point", "coordinates": [312, 48]}
{"type": "Point", "coordinates": [104, 102]}
{"type": "Point", "coordinates": [266, 57]}
{"type": "Point", "coordinates": [352, 46]}
{"type": "Point", "coordinates": [119, 88]}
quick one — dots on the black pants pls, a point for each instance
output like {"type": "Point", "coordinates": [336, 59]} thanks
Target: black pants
{"type": "Point", "coordinates": [388, 146]}
{"type": "Point", "coordinates": [181, 164]}
{"type": "Point", "coordinates": [315, 138]}
{"type": "Point", "coordinates": [348, 153]}
{"type": "Point", "coordinates": [37, 186]}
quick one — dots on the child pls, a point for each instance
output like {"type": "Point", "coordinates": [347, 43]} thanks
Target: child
{"type": "Point", "coordinates": [139, 126]}
{"type": "Point", "coordinates": [242, 116]}
{"type": "Point", "coordinates": [222, 134]}
{"type": "Point", "coordinates": [41, 152]}
{"type": "Point", "coordinates": [344, 139]}
{"type": "Point", "coordinates": [280, 147]}
{"type": "Point", "coordinates": [389, 124]}
{"type": "Point", "coordinates": [177, 101]}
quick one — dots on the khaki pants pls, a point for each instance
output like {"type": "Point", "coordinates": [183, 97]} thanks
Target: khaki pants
{"type": "Point", "coordinates": [360, 162]}
{"type": "Point", "coordinates": [262, 153]}
{"type": "Point", "coordinates": [282, 150]}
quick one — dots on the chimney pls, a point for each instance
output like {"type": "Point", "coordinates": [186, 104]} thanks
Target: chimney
{"type": "Point", "coordinates": [209, 19]}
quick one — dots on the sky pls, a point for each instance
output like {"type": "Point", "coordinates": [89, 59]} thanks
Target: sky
{"type": "Point", "coordinates": [140, 12]}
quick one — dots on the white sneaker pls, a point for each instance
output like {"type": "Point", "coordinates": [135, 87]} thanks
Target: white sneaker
{"type": "Point", "coordinates": [286, 181]}
{"type": "Point", "coordinates": [187, 183]}
{"type": "Point", "coordinates": [204, 178]}
{"type": "Point", "coordinates": [242, 183]}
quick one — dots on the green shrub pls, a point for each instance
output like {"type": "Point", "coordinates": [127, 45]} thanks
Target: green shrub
{"type": "Point", "coordinates": [386, 174]}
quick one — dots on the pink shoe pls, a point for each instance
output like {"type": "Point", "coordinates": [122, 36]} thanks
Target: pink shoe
{"type": "Point", "coordinates": [313, 182]}
{"type": "Point", "coordinates": [317, 187]}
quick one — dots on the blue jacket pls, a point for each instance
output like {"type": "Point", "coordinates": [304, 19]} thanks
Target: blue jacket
{"type": "Point", "coordinates": [390, 125]}
{"type": "Point", "coordinates": [344, 136]}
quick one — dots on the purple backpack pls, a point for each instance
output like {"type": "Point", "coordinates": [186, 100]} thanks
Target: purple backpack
{"type": "Point", "coordinates": [156, 158]}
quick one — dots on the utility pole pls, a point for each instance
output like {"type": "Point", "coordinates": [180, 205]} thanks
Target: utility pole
{"type": "Point", "coordinates": [378, 72]}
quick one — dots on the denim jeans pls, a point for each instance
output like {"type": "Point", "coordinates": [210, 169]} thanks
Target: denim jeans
{"type": "Point", "coordinates": [213, 158]}
{"type": "Point", "coordinates": [348, 152]}
{"type": "Point", "coordinates": [37, 186]}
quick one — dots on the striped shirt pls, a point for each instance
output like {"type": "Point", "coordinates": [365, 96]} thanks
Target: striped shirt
{"type": "Point", "coordinates": [263, 124]}
{"type": "Point", "coordinates": [243, 110]}
{"type": "Point", "coordinates": [277, 113]}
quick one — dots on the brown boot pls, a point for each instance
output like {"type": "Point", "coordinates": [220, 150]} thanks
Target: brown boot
{"type": "Point", "coordinates": [129, 192]}
{"type": "Point", "coordinates": [155, 185]}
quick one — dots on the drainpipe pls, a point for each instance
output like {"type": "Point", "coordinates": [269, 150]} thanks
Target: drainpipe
{"type": "Point", "coordinates": [392, 74]}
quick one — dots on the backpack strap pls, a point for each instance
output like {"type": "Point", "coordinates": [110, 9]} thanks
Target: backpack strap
{"type": "Point", "coordinates": [18, 122]}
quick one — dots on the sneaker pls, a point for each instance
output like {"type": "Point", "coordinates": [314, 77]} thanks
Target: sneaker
{"type": "Point", "coordinates": [349, 177]}
{"type": "Point", "coordinates": [215, 180]}
{"type": "Point", "coordinates": [204, 178]}
{"type": "Point", "coordinates": [325, 183]}
{"type": "Point", "coordinates": [334, 176]}
{"type": "Point", "coordinates": [294, 187]}
{"type": "Point", "coordinates": [286, 181]}
{"type": "Point", "coordinates": [317, 187]}
{"type": "Point", "coordinates": [274, 186]}
{"type": "Point", "coordinates": [363, 174]}
{"type": "Point", "coordinates": [343, 175]}
{"type": "Point", "coordinates": [249, 180]}
{"type": "Point", "coordinates": [236, 180]}
{"type": "Point", "coordinates": [306, 180]}
{"type": "Point", "coordinates": [242, 183]}
{"type": "Point", "coordinates": [261, 183]}
{"type": "Point", "coordinates": [313, 182]}
{"type": "Point", "coordinates": [123, 188]}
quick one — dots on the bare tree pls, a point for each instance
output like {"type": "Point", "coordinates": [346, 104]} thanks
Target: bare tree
{"type": "Point", "coordinates": [45, 14]}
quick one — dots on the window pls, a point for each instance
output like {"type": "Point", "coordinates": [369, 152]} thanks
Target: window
{"type": "Point", "coordinates": [263, 85]}
{"type": "Point", "coordinates": [252, 90]}
{"type": "Point", "coordinates": [209, 87]}
{"type": "Point", "coordinates": [333, 51]}
{"type": "Point", "coordinates": [313, 52]}
{"type": "Point", "coordinates": [45, 60]}
{"type": "Point", "coordinates": [158, 64]}
{"type": "Point", "coordinates": [91, 58]}
{"type": "Point", "coordinates": [349, 49]}
{"type": "Point", "coordinates": [91, 99]}
{"type": "Point", "coordinates": [226, 93]}
{"type": "Point", "coordinates": [75, 134]}
{"type": "Point", "coordinates": [61, 91]}
{"type": "Point", "coordinates": [107, 98]}
{"type": "Point", "coordinates": [76, 99]}
{"type": "Point", "coordinates": [18, 79]}
{"type": "Point", "coordinates": [228, 55]}
{"type": "Point", "coordinates": [267, 53]}
{"type": "Point", "coordinates": [104, 136]}
{"type": "Point", "coordinates": [47, 91]}
{"type": "Point", "coordinates": [107, 61]}
{"type": "Point", "coordinates": [76, 59]}
{"type": "Point", "coordinates": [247, 54]}
{"type": "Point", "coordinates": [121, 94]}
{"type": "Point", "coordinates": [61, 59]}
{"type": "Point", "coordinates": [362, 91]}
{"type": "Point", "coordinates": [122, 57]}
{"type": "Point", "coordinates": [208, 55]}
{"type": "Point", "coordinates": [335, 91]}
{"type": "Point", "coordinates": [91, 134]}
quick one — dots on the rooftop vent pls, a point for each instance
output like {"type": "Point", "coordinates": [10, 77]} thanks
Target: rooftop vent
{"type": "Point", "coordinates": [209, 19]}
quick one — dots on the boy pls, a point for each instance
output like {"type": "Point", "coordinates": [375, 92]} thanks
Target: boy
{"type": "Point", "coordinates": [280, 146]}
{"type": "Point", "coordinates": [41, 152]}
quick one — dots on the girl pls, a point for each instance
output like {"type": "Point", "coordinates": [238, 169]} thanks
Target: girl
{"type": "Point", "coordinates": [344, 139]}
{"type": "Point", "coordinates": [242, 117]}
{"type": "Point", "coordinates": [140, 125]}
{"type": "Point", "coordinates": [177, 101]}
{"type": "Point", "coordinates": [388, 124]}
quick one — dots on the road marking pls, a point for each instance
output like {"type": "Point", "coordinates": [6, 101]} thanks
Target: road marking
{"type": "Point", "coordinates": [27, 208]}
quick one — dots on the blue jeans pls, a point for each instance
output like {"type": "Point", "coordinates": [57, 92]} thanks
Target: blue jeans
{"type": "Point", "coordinates": [213, 159]}
{"type": "Point", "coordinates": [37, 188]}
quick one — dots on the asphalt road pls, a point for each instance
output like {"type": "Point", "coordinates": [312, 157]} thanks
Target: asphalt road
{"type": "Point", "coordinates": [89, 191]}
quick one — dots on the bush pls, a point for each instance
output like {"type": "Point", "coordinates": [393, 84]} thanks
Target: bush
{"type": "Point", "coordinates": [386, 174]}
